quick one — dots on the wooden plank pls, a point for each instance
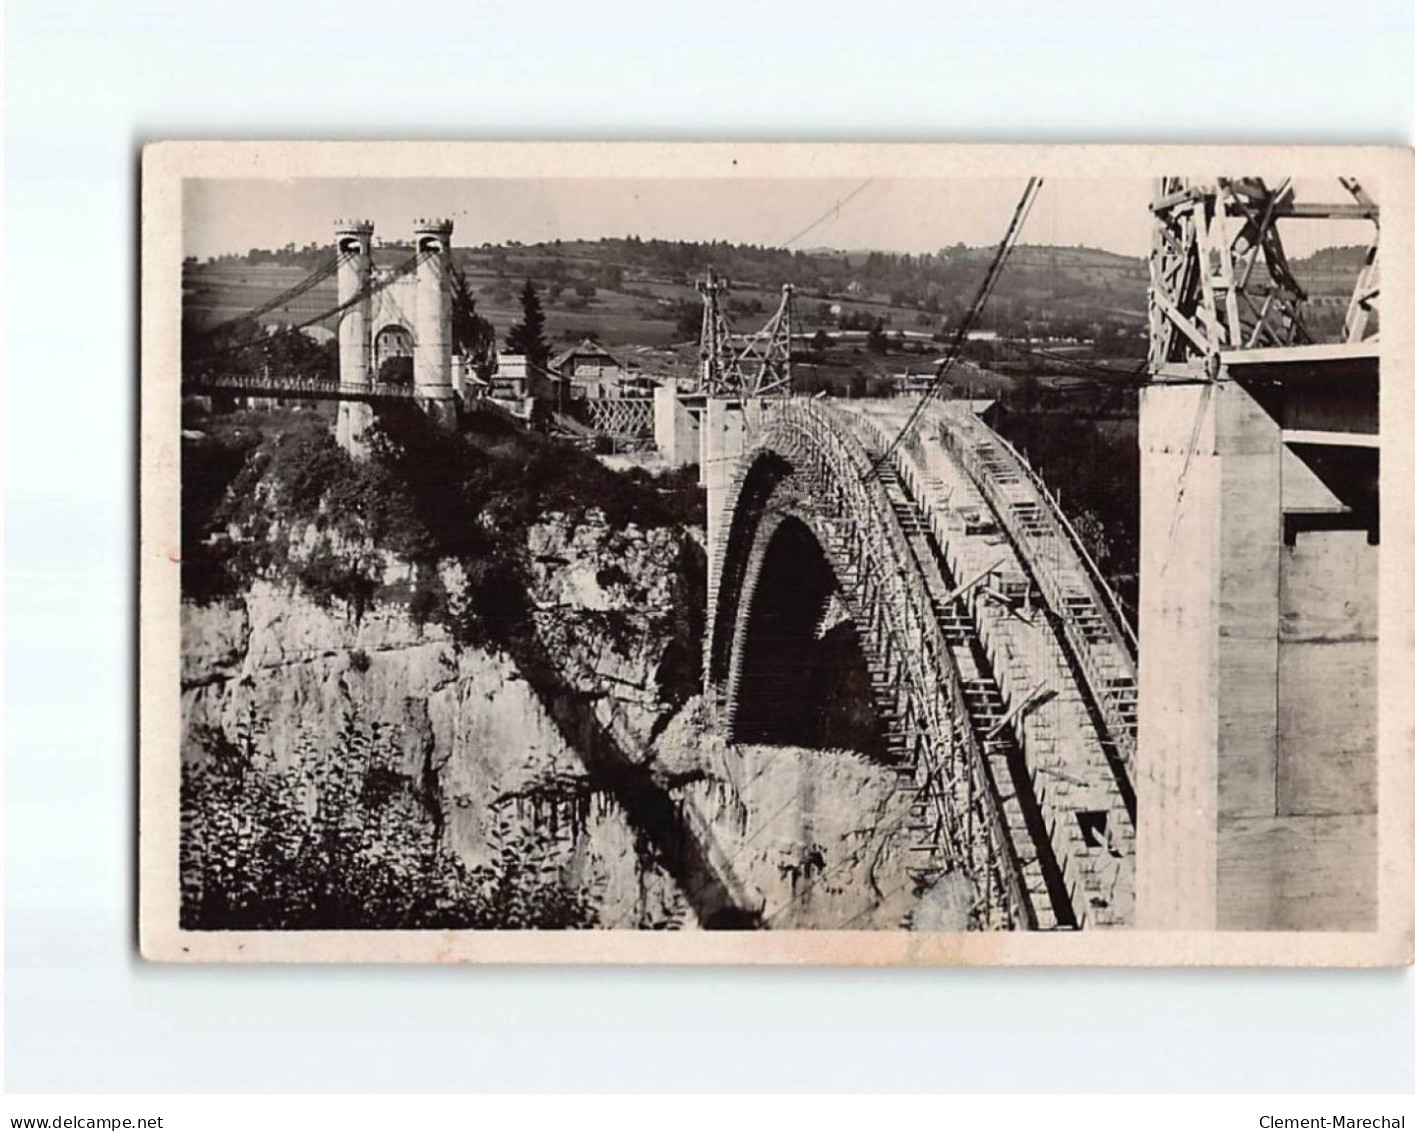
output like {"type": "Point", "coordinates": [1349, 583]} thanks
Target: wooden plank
{"type": "Point", "coordinates": [1329, 439]}
{"type": "Point", "coordinates": [1314, 211]}
{"type": "Point", "coordinates": [1190, 331]}
{"type": "Point", "coordinates": [1367, 351]}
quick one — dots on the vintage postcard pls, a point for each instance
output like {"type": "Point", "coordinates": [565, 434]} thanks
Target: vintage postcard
{"type": "Point", "coordinates": [758, 553]}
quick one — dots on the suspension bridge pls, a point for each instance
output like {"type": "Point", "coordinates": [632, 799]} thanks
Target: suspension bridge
{"type": "Point", "coordinates": [397, 311]}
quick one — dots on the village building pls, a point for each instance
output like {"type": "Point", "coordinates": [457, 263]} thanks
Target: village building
{"type": "Point", "coordinates": [517, 381]}
{"type": "Point", "coordinates": [591, 372]}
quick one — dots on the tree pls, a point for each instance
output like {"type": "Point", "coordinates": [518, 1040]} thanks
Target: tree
{"type": "Point", "coordinates": [528, 335]}
{"type": "Point", "coordinates": [396, 371]}
{"type": "Point", "coordinates": [291, 351]}
{"type": "Point", "coordinates": [472, 335]}
{"type": "Point", "coordinates": [877, 342]}
{"type": "Point", "coordinates": [1026, 392]}
{"type": "Point", "coordinates": [821, 341]}
{"type": "Point", "coordinates": [688, 319]}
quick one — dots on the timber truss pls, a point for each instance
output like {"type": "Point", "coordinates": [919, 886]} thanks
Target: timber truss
{"type": "Point", "coordinates": [754, 365]}
{"type": "Point", "coordinates": [621, 418]}
{"type": "Point", "coordinates": [1220, 279]}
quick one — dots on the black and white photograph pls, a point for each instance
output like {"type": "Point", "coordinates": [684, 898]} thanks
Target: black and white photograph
{"type": "Point", "coordinates": [911, 554]}
{"type": "Point", "coordinates": [852, 564]}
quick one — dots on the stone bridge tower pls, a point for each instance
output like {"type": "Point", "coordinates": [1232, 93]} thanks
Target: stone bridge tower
{"type": "Point", "coordinates": [425, 303]}
{"type": "Point", "coordinates": [353, 243]}
{"type": "Point", "coordinates": [432, 340]}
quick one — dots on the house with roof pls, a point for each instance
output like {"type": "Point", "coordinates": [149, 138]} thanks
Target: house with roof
{"type": "Point", "coordinates": [517, 380]}
{"type": "Point", "coordinates": [591, 372]}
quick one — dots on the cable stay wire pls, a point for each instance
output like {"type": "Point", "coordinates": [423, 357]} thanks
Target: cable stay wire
{"type": "Point", "coordinates": [306, 284]}
{"type": "Point", "coordinates": [368, 291]}
{"type": "Point", "coordinates": [970, 317]}
{"type": "Point", "coordinates": [833, 210]}
{"type": "Point", "coordinates": [372, 288]}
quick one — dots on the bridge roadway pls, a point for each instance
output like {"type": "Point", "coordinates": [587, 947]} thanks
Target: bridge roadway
{"type": "Point", "coordinates": [291, 388]}
{"type": "Point", "coordinates": [1000, 664]}
{"type": "Point", "coordinates": [971, 505]}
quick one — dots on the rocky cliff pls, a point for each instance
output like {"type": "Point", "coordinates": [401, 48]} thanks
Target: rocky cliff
{"type": "Point", "coordinates": [584, 727]}
{"type": "Point", "coordinates": [277, 671]}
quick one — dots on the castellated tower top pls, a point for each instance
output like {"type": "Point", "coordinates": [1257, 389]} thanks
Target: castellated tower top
{"type": "Point", "coordinates": [353, 237]}
{"type": "Point", "coordinates": [433, 235]}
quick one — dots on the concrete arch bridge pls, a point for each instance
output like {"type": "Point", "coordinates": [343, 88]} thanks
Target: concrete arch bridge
{"type": "Point", "coordinates": [934, 609]}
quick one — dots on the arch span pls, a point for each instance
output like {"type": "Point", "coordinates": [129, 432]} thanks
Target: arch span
{"type": "Point", "coordinates": [802, 677]}
{"type": "Point", "coordinates": [838, 584]}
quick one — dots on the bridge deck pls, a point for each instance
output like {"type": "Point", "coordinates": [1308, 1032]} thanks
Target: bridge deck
{"type": "Point", "coordinates": [1032, 684]}
{"type": "Point", "coordinates": [291, 388]}
{"type": "Point", "coordinates": [1093, 626]}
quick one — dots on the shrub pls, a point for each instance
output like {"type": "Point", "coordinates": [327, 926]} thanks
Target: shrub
{"type": "Point", "coordinates": [328, 577]}
{"type": "Point", "coordinates": [343, 841]}
{"type": "Point", "coordinates": [428, 601]}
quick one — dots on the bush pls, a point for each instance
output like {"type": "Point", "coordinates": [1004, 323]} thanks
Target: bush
{"type": "Point", "coordinates": [342, 841]}
{"type": "Point", "coordinates": [428, 602]}
{"type": "Point", "coordinates": [425, 496]}
{"type": "Point", "coordinates": [328, 577]}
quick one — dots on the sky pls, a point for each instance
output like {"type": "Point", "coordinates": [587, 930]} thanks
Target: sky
{"type": "Point", "coordinates": [890, 214]}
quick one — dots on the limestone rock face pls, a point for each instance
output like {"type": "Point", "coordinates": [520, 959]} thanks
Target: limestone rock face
{"type": "Point", "coordinates": [819, 837]}
{"type": "Point", "coordinates": [279, 671]}
{"type": "Point", "coordinates": [815, 838]}
{"type": "Point", "coordinates": [605, 607]}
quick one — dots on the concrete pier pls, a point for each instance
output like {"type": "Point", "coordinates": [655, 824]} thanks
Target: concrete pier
{"type": "Point", "coordinates": [1257, 756]}
{"type": "Point", "coordinates": [728, 424]}
{"type": "Point", "coordinates": [677, 422]}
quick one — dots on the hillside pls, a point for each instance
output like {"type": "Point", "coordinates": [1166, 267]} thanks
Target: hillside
{"type": "Point", "coordinates": [639, 295]}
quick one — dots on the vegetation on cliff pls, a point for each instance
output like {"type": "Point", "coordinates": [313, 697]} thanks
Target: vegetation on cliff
{"type": "Point", "coordinates": [444, 525]}
{"type": "Point", "coordinates": [340, 840]}
{"type": "Point", "coordinates": [424, 497]}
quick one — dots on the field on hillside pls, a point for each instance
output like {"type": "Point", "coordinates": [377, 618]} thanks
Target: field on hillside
{"type": "Point", "coordinates": [646, 312]}
{"type": "Point", "coordinates": [637, 292]}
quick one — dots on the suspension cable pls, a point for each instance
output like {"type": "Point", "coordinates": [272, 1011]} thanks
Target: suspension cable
{"type": "Point", "coordinates": [285, 297]}
{"type": "Point", "coordinates": [364, 292]}
{"type": "Point", "coordinates": [833, 210]}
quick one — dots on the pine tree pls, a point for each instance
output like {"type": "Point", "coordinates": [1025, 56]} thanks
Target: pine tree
{"type": "Point", "coordinates": [472, 335]}
{"type": "Point", "coordinates": [528, 335]}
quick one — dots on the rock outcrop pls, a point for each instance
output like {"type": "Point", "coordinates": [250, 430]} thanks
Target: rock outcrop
{"type": "Point", "coordinates": [529, 734]}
